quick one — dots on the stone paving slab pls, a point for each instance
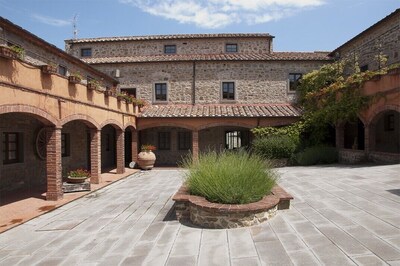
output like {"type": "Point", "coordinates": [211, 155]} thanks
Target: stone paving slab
{"type": "Point", "coordinates": [341, 215]}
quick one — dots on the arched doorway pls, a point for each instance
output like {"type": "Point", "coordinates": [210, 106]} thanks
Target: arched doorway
{"type": "Point", "coordinates": [386, 132]}
{"type": "Point", "coordinates": [131, 145]}
{"type": "Point", "coordinates": [354, 135]}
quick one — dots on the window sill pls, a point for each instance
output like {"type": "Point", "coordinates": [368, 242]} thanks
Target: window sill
{"type": "Point", "coordinates": [160, 102]}
{"type": "Point", "coordinates": [228, 101]}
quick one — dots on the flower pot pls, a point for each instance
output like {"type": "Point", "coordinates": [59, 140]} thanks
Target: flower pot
{"type": "Point", "coordinates": [7, 52]}
{"type": "Point", "coordinates": [80, 179]}
{"type": "Point", "coordinates": [49, 69]}
{"type": "Point", "coordinates": [146, 160]}
{"type": "Point", "coordinates": [74, 79]}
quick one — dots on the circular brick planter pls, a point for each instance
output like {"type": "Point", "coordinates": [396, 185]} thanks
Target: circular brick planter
{"type": "Point", "coordinates": [201, 212]}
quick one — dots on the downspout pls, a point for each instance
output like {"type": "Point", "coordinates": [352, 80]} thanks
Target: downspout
{"type": "Point", "coordinates": [194, 84]}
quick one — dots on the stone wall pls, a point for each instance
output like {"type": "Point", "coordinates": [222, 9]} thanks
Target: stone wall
{"type": "Point", "coordinates": [384, 38]}
{"type": "Point", "coordinates": [255, 81]}
{"type": "Point", "coordinates": [183, 46]}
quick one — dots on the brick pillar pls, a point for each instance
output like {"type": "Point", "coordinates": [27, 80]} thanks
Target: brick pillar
{"type": "Point", "coordinates": [339, 136]}
{"type": "Point", "coordinates": [120, 151]}
{"type": "Point", "coordinates": [134, 149]}
{"type": "Point", "coordinates": [53, 164]}
{"type": "Point", "coordinates": [195, 145]}
{"type": "Point", "coordinates": [95, 156]}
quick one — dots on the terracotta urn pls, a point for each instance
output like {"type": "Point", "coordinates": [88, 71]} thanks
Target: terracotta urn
{"type": "Point", "coordinates": [146, 160]}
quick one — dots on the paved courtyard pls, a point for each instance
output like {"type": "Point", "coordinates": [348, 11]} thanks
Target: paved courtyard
{"type": "Point", "coordinates": [341, 215]}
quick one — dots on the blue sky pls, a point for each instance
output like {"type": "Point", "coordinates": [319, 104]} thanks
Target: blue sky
{"type": "Point", "coordinates": [298, 25]}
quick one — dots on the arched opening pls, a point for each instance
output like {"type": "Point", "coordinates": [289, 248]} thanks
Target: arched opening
{"type": "Point", "coordinates": [108, 148]}
{"type": "Point", "coordinates": [172, 143]}
{"type": "Point", "coordinates": [354, 135]}
{"type": "Point", "coordinates": [22, 156]}
{"type": "Point", "coordinates": [387, 132]}
{"type": "Point", "coordinates": [75, 146]}
{"type": "Point", "coordinates": [221, 138]}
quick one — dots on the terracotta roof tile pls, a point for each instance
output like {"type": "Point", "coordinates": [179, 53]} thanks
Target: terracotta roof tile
{"type": "Point", "coordinates": [220, 110]}
{"type": "Point", "coordinates": [170, 37]}
{"type": "Point", "coordinates": [275, 56]}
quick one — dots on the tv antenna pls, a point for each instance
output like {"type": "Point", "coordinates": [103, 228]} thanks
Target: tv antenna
{"type": "Point", "coordinates": [74, 24]}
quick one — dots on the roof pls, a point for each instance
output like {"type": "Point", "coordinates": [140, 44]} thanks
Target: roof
{"type": "Point", "coordinates": [11, 27]}
{"type": "Point", "coordinates": [275, 56]}
{"type": "Point", "coordinates": [170, 37]}
{"type": "Point", "coordinates": [220, 110]}
{"type": "Point", "coordinates": [367, 31]}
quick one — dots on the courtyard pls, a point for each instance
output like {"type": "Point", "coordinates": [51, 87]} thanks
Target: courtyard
{"type": "Point", "coordinates": [341, 215]}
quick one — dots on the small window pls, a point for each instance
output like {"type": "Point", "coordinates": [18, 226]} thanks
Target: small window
{"type": "Point", "coordinates": [184, 140]}
{"type": "Point", "coordinates": [12, 147]}
{"type": "Point", "coordinates": [389, 122]}
{"type": "Point", "coordinates": [231, 48]}
{"type": "Point", "coordinates": [294, 81]}
{"type": "Point", "coordinates": [62, 70]}
{"type": "Point", "coordinates": [170, 49]}
{"type": "Point", "coordinates": [233, 140]}
{"type": "Point", "coordinates": [228, 90]}
{"type": "Point", "coordinates": [160, 93]}
{"type": "Point", "coordinates": [86, 52]}
{"type": "Point", "coordinates": [364, 68]}
{"type": "Point", "coordinates": [164, 140]}
{"type": "Point", "coordinates": [130, 91]}
{"type": "Point", "coordinates": [65, 144]}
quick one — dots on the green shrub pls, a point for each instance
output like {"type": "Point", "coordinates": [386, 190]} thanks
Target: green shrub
{"type": "Point", "coordinates": [275, 147]}
{"type": "Point", "coordinates": [229, 177]}
{"type": "Point", "coordinates": [316, 155]}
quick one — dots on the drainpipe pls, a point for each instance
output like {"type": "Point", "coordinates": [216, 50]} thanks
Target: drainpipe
{"type": "Point", "coordinates": [194, 84]}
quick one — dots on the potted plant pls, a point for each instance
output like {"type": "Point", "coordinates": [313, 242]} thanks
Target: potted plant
{"type": "Point", "coordinates": [146, 157]}
{"type": "Point", "coordinates": [78, 176]}
{"type": "Point", "coordinates": [75, 78]}
{"type": "Point", "coordinates": [7, 52]}
{"type": "Point", "coordinates": [93, 84]}
{"type": "Point", "coordinates": [50, 68]}
{"type": "Point", "coordinates": [19, 51]}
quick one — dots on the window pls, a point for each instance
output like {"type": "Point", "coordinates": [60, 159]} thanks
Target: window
{"type": "Point", "coordinates": [12, 147]}
{"type": "Point", "coordinates": [62, 70]}
{"type": "Point", "coordinates": [236, 139]}
{"type": "Point", "coordinates": [170, 49]}
{"type": "Point", "coordinates": [294, 81]}
{"type": "Point", "coordinates": [65, 144]}
{"type": "Point", "coordinates": [130, 91]}
{"type": "Point", "coordinates": [160, 92]}
{"type": "Point", "coordinates": [389, 122]}
{"type": "Point", "coordinates": [164, 140]}
{"type": "Point", "coordinates": [364, 68]}
{"type": "Point", "coordinates": [228, 90]}
{"type": "Point", "coordinates": [231, 47]}
{"type": "Point", "coordinates": [86, 52]}
{"type": "Point", "coordinates": [184, 140]}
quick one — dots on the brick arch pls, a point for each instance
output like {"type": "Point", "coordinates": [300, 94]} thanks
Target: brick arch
{"type": "Point", "coordinates": [38, 113]}
{"type": "Point", "coordinates": [225, 124]}
{"type": "Point", "coordinates": [130, 125]}
{"type": "Point", "coordinates": [168, 125]}
{"type": "Point", "coordinates": [89, 121]}
{"type": "Point", "coordinates": [380, 110]}
{"type": "Point", "coordinates": [113, 122]}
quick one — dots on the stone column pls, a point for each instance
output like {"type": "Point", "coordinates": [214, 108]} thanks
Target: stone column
{"type": "Point", "coordinates": [195, 145]}
{"type": "Point", "coordinates": [134, 150]}
{"type": "Point", "coordinates": [53, 164]}
{"type": "Point", "coordinates": [120, 151]}
{"type": "Point", "coordinates": [339, 136]}
{"type": "Point", "coordinates": [95, 156]}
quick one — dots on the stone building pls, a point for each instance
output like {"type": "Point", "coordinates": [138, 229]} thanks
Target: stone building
{"type": "Point", "coordinates": [205, 91]}
{"type": "Point", "coordinates": [49, 124]}
{"type": "Point", "coordinates": [376, 134]}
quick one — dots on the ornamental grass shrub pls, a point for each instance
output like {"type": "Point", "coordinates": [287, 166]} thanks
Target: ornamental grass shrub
{"type": "Point", "coordinates": [316, 155]}
{"type": "Point", "coordinates": [229, 177]}
{"type": "Point", "coordinates": [275, 147]}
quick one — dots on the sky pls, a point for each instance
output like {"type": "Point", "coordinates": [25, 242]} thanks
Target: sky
{"type": "Point", "coordinates": [298, 25]}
